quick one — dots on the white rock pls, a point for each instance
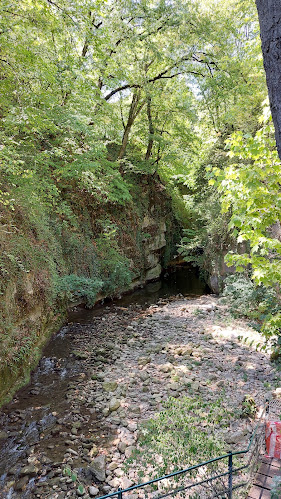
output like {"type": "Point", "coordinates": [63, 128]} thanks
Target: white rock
{"type": "Point", "coordinates": [93, 491]}
{"type": "Point", "coordinates": [114, 404]}
{"type": "Point", "coordinates": [126, 483]}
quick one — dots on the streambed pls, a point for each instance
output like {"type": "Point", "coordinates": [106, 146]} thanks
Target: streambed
{"type": "Point", "coordinates": [109, 369]}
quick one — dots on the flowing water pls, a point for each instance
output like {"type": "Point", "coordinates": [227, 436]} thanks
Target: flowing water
{"type": "Point", "coordinates": [37, 420]}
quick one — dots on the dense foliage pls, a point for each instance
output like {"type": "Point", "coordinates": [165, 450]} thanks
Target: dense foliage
{"type": "Point", "coordinates": [153, 78]}
{"type": "Point", "coordinates": [250, 188]}
{"type": "Point", "coordinates": [244, 298]}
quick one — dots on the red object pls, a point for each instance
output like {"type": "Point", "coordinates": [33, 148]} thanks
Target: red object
{"type": "Point", "coordinates": [273, 439]}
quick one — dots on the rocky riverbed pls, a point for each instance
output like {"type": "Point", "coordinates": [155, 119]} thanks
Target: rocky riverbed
{"type": "Point", "coordinates": [108, 376]}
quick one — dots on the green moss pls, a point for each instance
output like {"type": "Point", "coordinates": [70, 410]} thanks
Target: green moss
{"type": "Point", "coordinates": [15, 374]}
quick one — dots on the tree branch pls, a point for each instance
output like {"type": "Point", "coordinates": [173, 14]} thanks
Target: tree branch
{"type": "Point", "coordinates": [161, 76]}
{"type": "Point", "coordinates": [51, 2]}
{"type": "Point", "coordinates": [143, 36]}
{"type": "Point", "coordinates": [119, 89]}
{"type": "Point", "coordinates": [87, 41]}
{"type": "Point", "coordinates": [15, 14]}
{"type": "Point", "coordinates": [6, 62]}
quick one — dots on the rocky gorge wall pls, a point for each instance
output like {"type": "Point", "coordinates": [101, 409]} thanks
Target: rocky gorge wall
{"type": "Point", "coordinates": [48, 264]}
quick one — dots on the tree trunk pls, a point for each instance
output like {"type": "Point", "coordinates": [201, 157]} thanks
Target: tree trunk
{"type": "Point", "coordinates": [125, 139]}
{"type": "Point", "coordinates": [151, 129]}
{"type": "Point", "coordinates": [135, 109]}
{"type": "Point", "coordinates": [270, 26]}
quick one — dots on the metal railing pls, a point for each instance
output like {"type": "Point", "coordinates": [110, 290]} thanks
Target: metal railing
{"type": "Point", "coordinates": [221, 484]}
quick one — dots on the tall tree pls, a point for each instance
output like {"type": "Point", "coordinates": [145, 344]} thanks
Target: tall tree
{"type": "Point", "coordinates": [270, 29]}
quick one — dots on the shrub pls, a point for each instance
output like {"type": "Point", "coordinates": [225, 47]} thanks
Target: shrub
{"type": "Point", "coordinates": [271, 329]}
{"type": "Point", "coordinates": [114, 267]}
{"type": "Point", "coordinates": [73, 287]}
{"type": "Point", "coordinates": [247, 299]}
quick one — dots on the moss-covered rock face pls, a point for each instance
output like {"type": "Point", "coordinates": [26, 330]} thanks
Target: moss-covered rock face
{"type": "Point", "coordinates": [15, 369]}
{"type": "Point", "coordinates": [50, 260]}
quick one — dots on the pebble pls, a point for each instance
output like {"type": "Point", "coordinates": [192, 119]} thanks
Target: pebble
{"type": "Point", "coordinates": [93, 491]}
{"type": "Point", "coordinates": [20, 484]}
{"type": "Point", "coordinates": [114, 404]}
{"type": "Point", "coordinates": [73, 452]}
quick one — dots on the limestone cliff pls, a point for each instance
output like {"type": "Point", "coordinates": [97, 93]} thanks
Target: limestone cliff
{"type": "Point", "coordinates": [48, 263]}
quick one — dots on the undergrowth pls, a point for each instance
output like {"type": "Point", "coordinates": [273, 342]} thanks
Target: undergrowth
{"type": "Point", "coordinates": [259, 304]}
{"type": "Point", "coordinates": [245, 298]}
{"type": "Point", "coordinates": [181, 435]}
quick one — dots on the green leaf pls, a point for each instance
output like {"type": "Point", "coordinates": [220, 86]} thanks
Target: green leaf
{"type": "Point", "coordinates": [67, 471]}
